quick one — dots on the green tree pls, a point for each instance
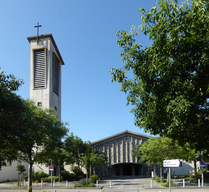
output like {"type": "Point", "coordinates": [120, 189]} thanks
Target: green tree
{"type": "Point", "coordinates": [74, 149]}
{"type": "Point", "coordinates": [57, 156]}
{"type": "Point", "coordinates": [92, 158]}
{"type": "Point", "coordinates": [170, 85]}
{"type": "Point", "coordinates": [41, 130]}
{"type": "Point", "coordinates": [10, 110]}
{"type": "Point", "coordinates": [157, 149]}
{"type": "Point", "coordinates": [193, 155]}
{"type": "Point", "coordinates": [21, 168]}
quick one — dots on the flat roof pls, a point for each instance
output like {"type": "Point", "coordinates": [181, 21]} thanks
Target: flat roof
{"type": "Point", "coordinates": [53, 41]}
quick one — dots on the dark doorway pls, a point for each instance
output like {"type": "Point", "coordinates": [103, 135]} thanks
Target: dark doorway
{"type": "Point", "coordinates": [117, 170]}
{"type": "Point", "coordinates": [136, 170]}
{"type": "Point", "coordinates": [127, 170]}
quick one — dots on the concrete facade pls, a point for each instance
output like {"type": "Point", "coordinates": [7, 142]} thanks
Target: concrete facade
{"type": "Point", "coordinates": [118, 150]}
{"type": "Point", "coordinates": [46, 96]}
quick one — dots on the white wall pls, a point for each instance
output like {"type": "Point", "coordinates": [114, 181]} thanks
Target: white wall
{"type": "Point", "coordinates": [9, 172]}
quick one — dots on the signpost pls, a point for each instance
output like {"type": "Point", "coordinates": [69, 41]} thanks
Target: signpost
{"type": "Point", "coordinates": [51, 168]}
{"type": "Point", "coordinates": [202, 163]}
{"type": "Point", "coordinates": [169, 164]}
{"type": "Point", "coordinates": [172, 163]}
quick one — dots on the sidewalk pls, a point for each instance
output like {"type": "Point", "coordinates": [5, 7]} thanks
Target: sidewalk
{"type": "Point", "coordinates": [117, 185]}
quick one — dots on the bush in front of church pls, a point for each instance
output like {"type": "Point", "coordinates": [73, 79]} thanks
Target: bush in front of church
{"type": "Point", "coordinates": [94, 178]}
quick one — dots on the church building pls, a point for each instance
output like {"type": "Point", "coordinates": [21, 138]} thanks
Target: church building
{"type": "Point", "coordinates": [118, 149]}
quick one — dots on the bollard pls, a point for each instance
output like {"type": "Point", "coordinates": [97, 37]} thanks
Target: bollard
{"type": "Point", "coordinates": [151, 183]}
{"type": "Point", "coordinates": [110, 185]}
{"type": "Point", "coordinates": [198, 182]}
{"type": "Point", "coordinates": [78, 191]}
{"type": "Point", "coordinates": [183, 182]}
{"type": "Point", "coordinates": [41, 183]}
{"type": "Point", "coordinates": [66, 183]}
{"type": "Point", "coordinates": [97, 183]}
{"type": "Point", "coordinates": [55, 190]}
{"type": "Point", "coordinates": [24, 182]}
{"type": "Point", "coordinates": [54, 183]}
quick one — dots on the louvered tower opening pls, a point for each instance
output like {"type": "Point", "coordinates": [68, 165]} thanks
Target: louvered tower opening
{"type": "Point", "coordinates": [56, 71]}
{"type": "Point", "coordinates": [39, 69]}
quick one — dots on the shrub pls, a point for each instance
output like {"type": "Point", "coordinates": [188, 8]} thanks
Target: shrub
{"type": "Point", "coordinates": [76, 170]}
{"type": "Point", "coordinates": [157, 179]}
{"type": "Point", "coordinates": [25, 176]}
{"type": "Point", "coordinates": [66, 175]}
{"type": "Point", "coordinates": [94, 178]}
{"type": "Point", "coordinates": [167, 184]}
{"type": "Point", "coordinates": [192, 180]}
{"type": "Point", "coordinates": [82, 183]}
{"type": "Point", "coordinates": [162, 180]}
{"type": "Point", "coordinates": [41, 175]}
{"type": "Point", "coordinates": [54, 178]}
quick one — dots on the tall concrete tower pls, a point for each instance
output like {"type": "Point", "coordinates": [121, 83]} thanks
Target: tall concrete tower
{"type": "Point", "coordinates": [45, 72]}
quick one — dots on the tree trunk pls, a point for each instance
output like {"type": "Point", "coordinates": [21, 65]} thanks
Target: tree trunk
{"type": "Point", "coordinates": [155, 171]}
{"type": "Point", "coordinates": [59, 172]}
{"type": "Point", "coordinates": [30, 177]}
{"type": "Point", "coordinates": [87, 177]}
{"type": "Point", "coordinates": [161, 171]}
{"type": "Point", "coordinates": [90, 172]}
{"type": "Point", "coordinates": [195, 169]}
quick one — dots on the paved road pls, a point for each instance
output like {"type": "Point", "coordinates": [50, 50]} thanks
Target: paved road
{"type": "Point", "coordinates": [117, 185]}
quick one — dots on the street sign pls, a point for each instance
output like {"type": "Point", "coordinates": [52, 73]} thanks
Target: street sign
{"type": "Point", "coordinates": [202, 162]}
{"type": "Point", "coordinates": [202, 166]}
{"type": "Point", "coordinates": [172, 163]}
{"type": "Point", "coordinates": [51, 168]}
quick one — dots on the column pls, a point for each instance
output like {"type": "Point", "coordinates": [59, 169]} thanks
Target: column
{"type": "Point", "coordinates": [116, 151]}
{"type": "Point", "coordinates": [135, 145]}
{"type": "Point", "coordinates": [121, 151]}
{"type": "Point", "coordinates": [118, 146]}
{"type": "Point", "coordinates": [113, 152]}
{"type": "Point", "coordinates": [126, 150]}
{"type": "Point", "coordinates": [131, 148]}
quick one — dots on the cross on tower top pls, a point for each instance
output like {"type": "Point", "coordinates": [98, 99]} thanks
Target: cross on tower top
{"type": "Point", "coordinates": [37, 26]}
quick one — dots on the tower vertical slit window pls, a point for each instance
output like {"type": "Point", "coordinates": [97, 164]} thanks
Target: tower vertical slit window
{"type": "Point", "coordinates": [56, 71]}
{"type": "Point", "coordinates": [39, 69]}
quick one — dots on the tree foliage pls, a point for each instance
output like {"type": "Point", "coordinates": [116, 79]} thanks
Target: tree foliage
{"type": "Point", "coordinates": [157, 149]}
{"type": "Point", "coordinates": [92, 158]}
{"type": "Point", "coordinates": [74, 149]}
{"type": "Point", "coordinates": [11, 107]}
{"type": "Point", "coordinates": [170, 87]}
{"type": "Point", "coordinates": [41, 132]}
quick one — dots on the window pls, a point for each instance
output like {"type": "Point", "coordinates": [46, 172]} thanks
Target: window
{"type": "Point", "coordinates": [39, 104]}
{"type": "Point", "coordinates": [55, 108]}
{"type": "Point", "coordinates": [39, 69]}
{"type": "Point", "coordinates": [56, 76]}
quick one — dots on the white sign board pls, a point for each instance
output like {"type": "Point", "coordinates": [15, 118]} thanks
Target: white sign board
{"type": "Point", "coordinates": [202, 165]}
{"type": "Point", "coordinates": [172, 163]}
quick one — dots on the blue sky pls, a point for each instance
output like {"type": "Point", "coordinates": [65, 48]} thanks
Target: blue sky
{"type": "Point", "coordinates": [84, 31]}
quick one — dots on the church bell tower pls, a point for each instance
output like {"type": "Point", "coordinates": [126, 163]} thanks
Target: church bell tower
{"type": "Point", "coordinates": [45, 72]}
